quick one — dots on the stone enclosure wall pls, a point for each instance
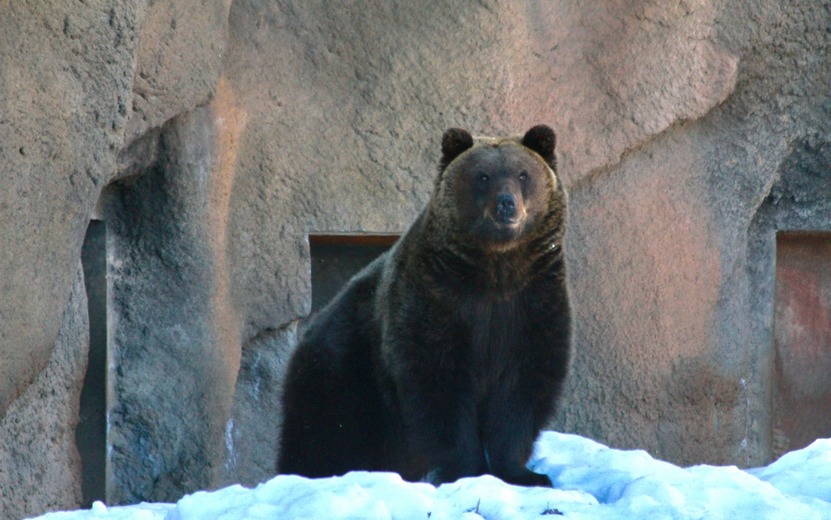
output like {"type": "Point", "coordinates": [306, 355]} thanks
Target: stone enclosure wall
{"type": "Point", "coordinates": [213, 136]}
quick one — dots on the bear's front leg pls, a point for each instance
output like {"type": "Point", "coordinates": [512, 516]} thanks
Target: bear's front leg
{"type": "Point", "coordinates": [439, 426]}
{"type": "Point", "coordinates": [512, 422]}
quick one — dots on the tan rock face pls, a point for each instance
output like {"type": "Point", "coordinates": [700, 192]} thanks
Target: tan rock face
{"type": "Point", "coordinates": [178, 59]}
{"type": "Point", "coordinates": [39, 463]}
{"type": "Point", "coordinates": [613, 74]}
{"type": "Point", "coordinates": [65, 80]}
{"type": "Point", "coordinates": [214, 136]}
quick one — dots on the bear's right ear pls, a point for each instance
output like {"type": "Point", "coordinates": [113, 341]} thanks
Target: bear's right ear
{"type": "Point", "coordinates": [453, 143]}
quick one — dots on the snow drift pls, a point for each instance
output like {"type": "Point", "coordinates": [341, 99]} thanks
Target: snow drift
{"type": "Point", "coordinates": [591, 481]}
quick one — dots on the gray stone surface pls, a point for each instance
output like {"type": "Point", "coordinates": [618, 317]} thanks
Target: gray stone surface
{"type": "Point", "coordinates": [252, 432]}
{"type": "Point", "coordinates": [213, 137]}
{"type": "Point", "coordinates": [174, 379]}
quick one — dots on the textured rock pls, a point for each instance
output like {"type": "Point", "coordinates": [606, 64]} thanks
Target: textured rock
{"type": "Point", "coordinates": [65, 79]}
{"type": "Point", "coordinates": [614, 74]}
{"type": "Point", "coordinates": [174, 378]}
{"type": "Point", "coordinates": [66, 98]}
{"type": "Point", "coordinates": [647, 278]}
{"type": "Point", "coordinates": [39, 464]}
{"type": "Point", "coordinates": [179, 55]}
{"type": "Point", "coordinates": [688, 238]}
{"type": "Point", "coordinates": [252, 432]}
{"type": "Point", "coordinates": [798, 200]}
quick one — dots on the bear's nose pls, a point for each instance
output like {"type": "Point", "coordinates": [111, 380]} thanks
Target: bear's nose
{"type": "Point", "coordinates": [505, 207]}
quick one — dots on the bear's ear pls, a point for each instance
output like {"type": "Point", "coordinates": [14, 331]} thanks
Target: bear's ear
{"type": "Point", "coordinates": [453, 143]}
{"type": "Point", "coordinates": [542, 140]}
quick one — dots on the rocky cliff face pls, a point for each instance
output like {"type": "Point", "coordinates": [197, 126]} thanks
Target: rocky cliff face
{"type": "Point", "coordinates": [213, 136]}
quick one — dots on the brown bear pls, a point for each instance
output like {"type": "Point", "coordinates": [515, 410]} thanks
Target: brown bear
{"type": "Point", "coordinates": [445, 356]}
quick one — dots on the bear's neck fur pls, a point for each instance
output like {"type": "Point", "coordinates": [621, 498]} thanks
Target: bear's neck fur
{"type": "Point", "coordinates": [470, 267]}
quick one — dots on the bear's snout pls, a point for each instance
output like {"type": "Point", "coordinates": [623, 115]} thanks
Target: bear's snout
{"type": "Point", "coordinates": [505, 208]}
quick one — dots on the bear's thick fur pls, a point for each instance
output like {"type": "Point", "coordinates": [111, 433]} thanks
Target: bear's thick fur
{"type": "Point", "coordinates": [445, 356]}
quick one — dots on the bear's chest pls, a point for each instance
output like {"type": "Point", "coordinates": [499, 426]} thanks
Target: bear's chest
{"type": "Point", "coordinates": [494, 337]}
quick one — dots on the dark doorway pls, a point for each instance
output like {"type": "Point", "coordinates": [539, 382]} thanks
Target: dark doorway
{"type": "Point", "coordinates": [802, 336]}
{"type": "Point", "coordinates": [337, 258]}
{"type": "Point", "coordinates": [91, 433]}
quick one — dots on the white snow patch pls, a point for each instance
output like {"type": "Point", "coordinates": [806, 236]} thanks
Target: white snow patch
{"type": "Point", "coordinates": [591, 481]}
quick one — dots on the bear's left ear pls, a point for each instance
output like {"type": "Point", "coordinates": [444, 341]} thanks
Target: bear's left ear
{"type": "Point", "coordinates": [453, 143]}
{"type": "Point", "coordinates": [542, 140]}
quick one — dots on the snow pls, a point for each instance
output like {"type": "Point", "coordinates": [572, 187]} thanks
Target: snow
{"type": "Point", "coordinates": [591, 481]}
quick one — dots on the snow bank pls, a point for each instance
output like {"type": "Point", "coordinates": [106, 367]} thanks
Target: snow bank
{"type": "Point", "coordinates": [591, 482]}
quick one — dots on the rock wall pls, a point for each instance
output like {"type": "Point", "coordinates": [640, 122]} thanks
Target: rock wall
{"type": "Point", "coordinates": [213, 136]}
{"type": "Point", "coordinates": [39, 462]}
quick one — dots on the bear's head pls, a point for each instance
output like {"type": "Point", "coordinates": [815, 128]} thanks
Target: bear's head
{"type": "Point", "coordinates": [496, 192]}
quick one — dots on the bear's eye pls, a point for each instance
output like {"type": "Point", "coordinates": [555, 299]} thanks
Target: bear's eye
{"type": "Point", "coordinates": [483, 177]}
{"type": "Point", "coordinates": [523, 176]}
